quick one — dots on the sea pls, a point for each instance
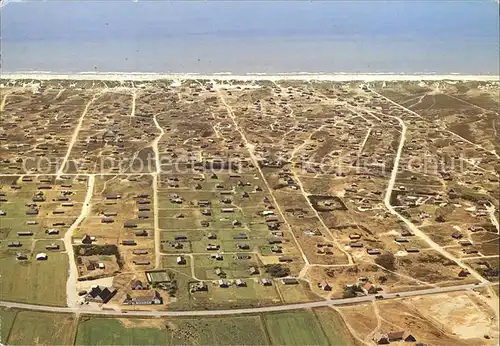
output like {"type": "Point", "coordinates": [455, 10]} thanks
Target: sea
{"type": "Point", "coordinates": [250, 37]}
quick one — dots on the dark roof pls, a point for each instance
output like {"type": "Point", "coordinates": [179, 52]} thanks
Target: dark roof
{"type": "Point", "coordinates": [101, 293]}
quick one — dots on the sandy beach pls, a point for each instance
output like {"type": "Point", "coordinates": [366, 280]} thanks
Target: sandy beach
{"type": "Point", "coordinates": [249, 77]}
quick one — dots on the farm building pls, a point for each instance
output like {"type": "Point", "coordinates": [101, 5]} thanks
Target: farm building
{"type": "Point", "coordinates": [21, 256]}
{"type": "Point", "coordinates": [240, 283]}
{"type": "Point", "coordinates": [100, 294]}
{"type": "Point", "coordinates": [138, 285]}
{"type": "Point", "coordinates": [223, 283]}
{"type": "Point", "coordinates": [41, 256]}
{"type": "Point", "coordinates": [52, 247]}
{"type": "Point", "coordinates": [24, 234]}
{"type": "Point", "coordinates": [86, 239]}
{"type": "Point", "coordinates": [289, 281]}
{"type": "Point", "coordinates": [151, 298]}
{"type": "Point", "coordinates": [253, 270]}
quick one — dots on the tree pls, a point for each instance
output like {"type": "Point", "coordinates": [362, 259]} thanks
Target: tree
{"type": "Point", "coordinates": [386, 260]}
{"type": "Point", "coordinates": [440, 218]}
{"type": "Point", "coordinates": [277, 270]}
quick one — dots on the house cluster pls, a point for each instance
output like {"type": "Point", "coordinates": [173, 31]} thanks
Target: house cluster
{"type": "Point", "coordinates": [361, 288]}
{"type": "Point", "coordinates": [467, 245]}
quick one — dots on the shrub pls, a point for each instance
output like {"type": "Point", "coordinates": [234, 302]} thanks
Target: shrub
{"type": "Point", "coordinates": [277, 270]}
{"type": "Point", "coordinates": [386, 260]}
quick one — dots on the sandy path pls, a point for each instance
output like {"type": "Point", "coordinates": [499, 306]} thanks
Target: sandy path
{"type": "Point", "coordinates": [376, 312]}
{"type": "Point", "coordinates": [155, 193]}
{"type": "Point", "coordinates": [362, 146]}
{"type": "Point", "coordinates": [493, 152]}
{"type": "Point", "coordinates": [325, 227]}
{"type": "Point", "coordinates": [74, 137]}
{"type": "Point", "coordinates": [71, 284]}
{"type": "Point", "coordinates": [442, 128]}
{"type": "Point", "coordinates": [409, 224]}
{"type": "Point", "coordinates": [4, 100]}
{"type": "Point", "coordinates": [493, 217]}
{"type": "Point", "coordinates": [351, 329]}
{"type": "Point", "coordinates": [251, 149]}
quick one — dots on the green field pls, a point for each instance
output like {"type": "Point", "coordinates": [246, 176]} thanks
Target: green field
{"type": "Point", "coordinates": [323, 326]}
{"type": "Point", "coordinates": [334, 327]}
{"type": "Point", "coordinates": [108, 331]}
{"type": "Point", "coordinates": [203, 331]}
{"type": "Point", "coordinates": [41, 328]}
{"type": "Point", "coordinates": [295, 328]}
{"type": "Point", "coordinates": [245, 330]}
{"type": "Point", "coordinates": [6, 320]}
{"type": "Point", "coordinates": [31, 281]}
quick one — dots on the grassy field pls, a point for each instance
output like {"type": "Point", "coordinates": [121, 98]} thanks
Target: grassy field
{"type": "Point", "coordinates": [6, 320]}
{"type": "Point", "coordinates": [41, 328]}
{"type": "Point", "coordinates": [108, 331]}
{"type": "Point", "coordinates": [334, 327]}
{"type": "Point", "coordinates": [31, 281]}
{"type": "Point", "coordinates": [321, 327]}
{"type": "Point", "coordinates": [247, 330]}
{"type": "Point", "coordinates": [204, 331]}
{"type": "Point", "coordinates": [295, 328]}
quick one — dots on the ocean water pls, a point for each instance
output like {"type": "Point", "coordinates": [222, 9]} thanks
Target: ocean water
{"type": "Point", "coordinates": [243, 37]}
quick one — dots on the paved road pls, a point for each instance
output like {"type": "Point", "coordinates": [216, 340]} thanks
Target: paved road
{"type": "Point", "coordinates": [92, 311]}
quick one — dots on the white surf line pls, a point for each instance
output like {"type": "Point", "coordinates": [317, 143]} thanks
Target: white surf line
{"type": "Point", "coordinates": [256, 164]}
{"type": "Point", "coordinates": [339, 77]}
{"type": "Point", "coordinates": [156, 175]}
{"type": "Point", "coordinates": [410, 225]}
{"type": "Point", "coordinates": [74, 137]}
{"type": "Point", "coordinates": [71, 294]}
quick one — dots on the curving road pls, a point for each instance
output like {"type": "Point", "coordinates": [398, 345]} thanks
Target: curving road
{"type": "Point", "coordinates": [92, 311]}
